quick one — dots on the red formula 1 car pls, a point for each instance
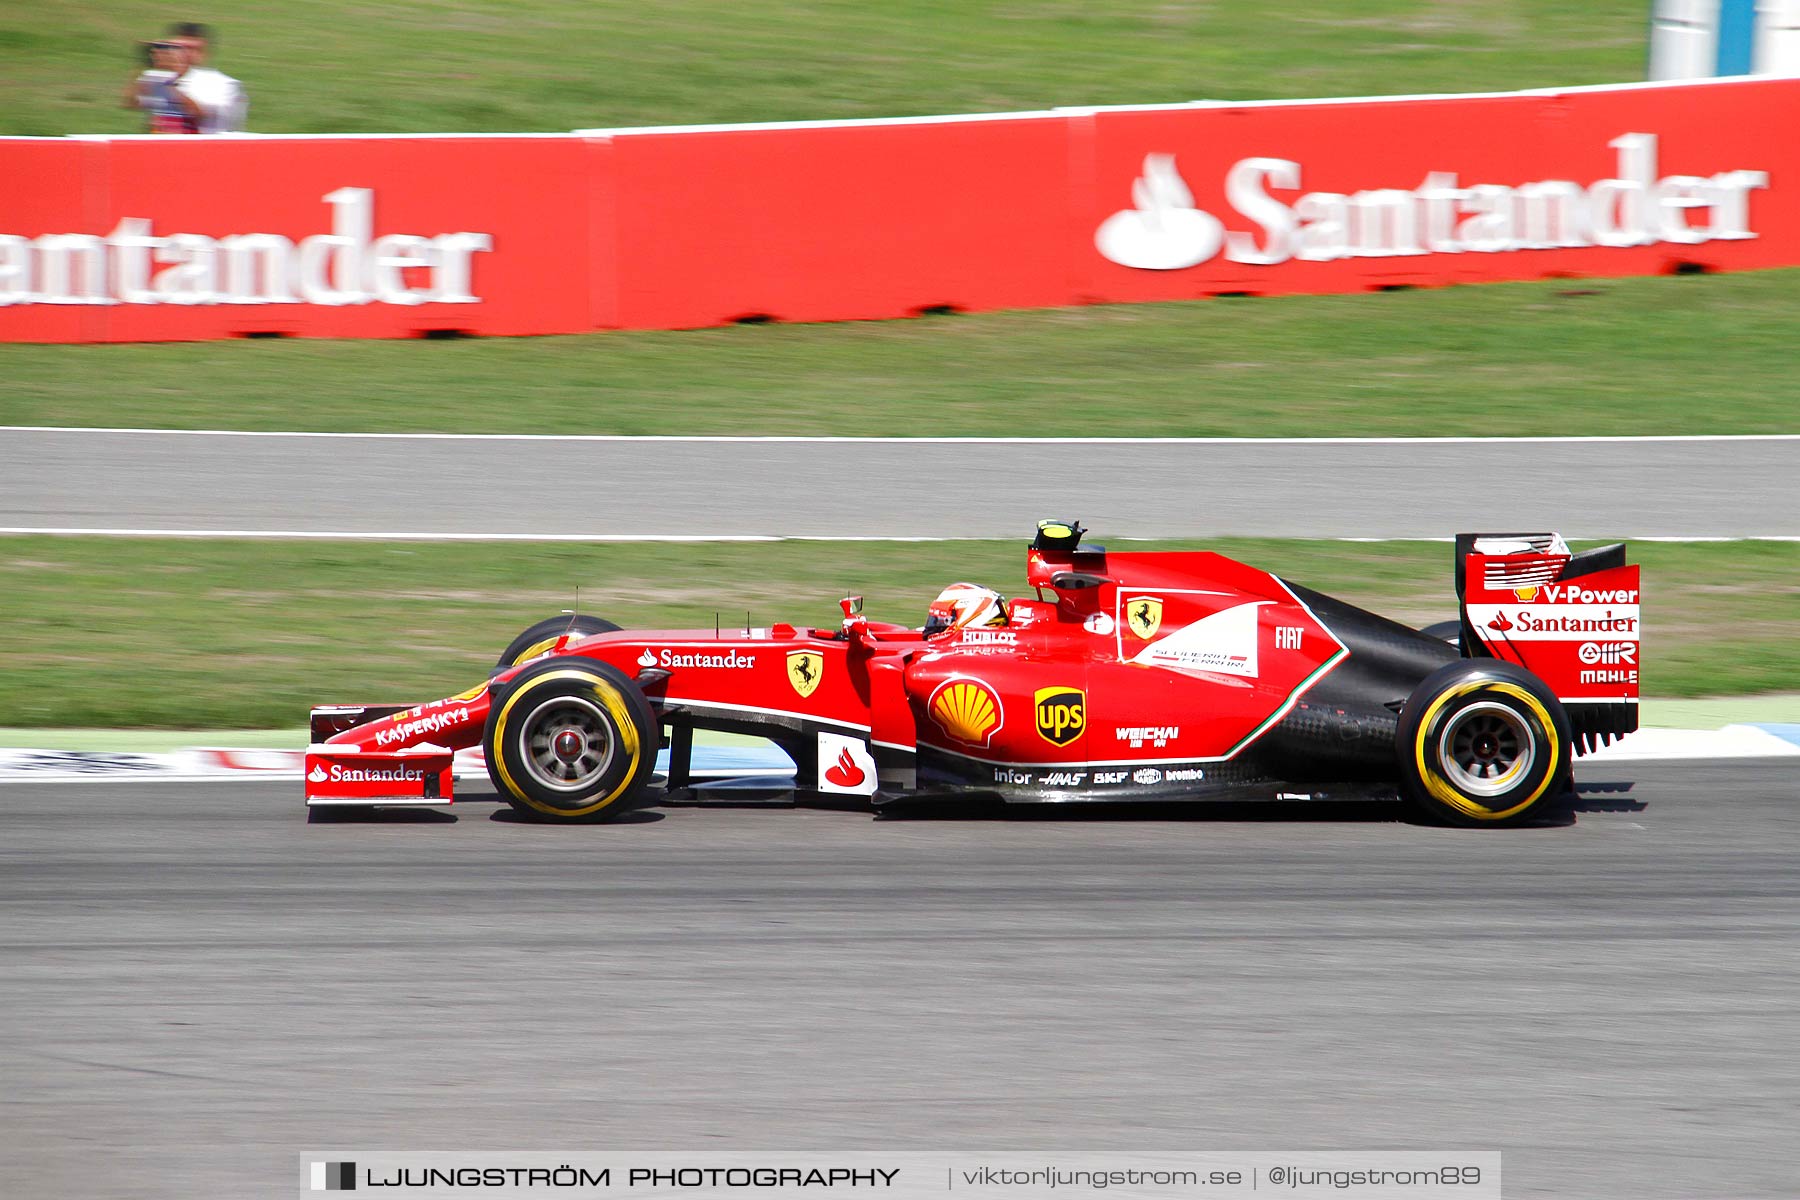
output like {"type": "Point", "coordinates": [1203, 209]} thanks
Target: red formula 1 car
{"type": "Point", "coordinates": [1126, 677]}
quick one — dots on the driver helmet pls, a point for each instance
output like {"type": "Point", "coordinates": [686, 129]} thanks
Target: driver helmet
{"type": "Point", "coordinates": [965, 606]}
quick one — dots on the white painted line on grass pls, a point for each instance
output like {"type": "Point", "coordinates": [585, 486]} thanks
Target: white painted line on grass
{"type": "Point", "coordinates": [826, 439]}
{"type": "Point", "coordinates": [416, 536]}
{"type": "Point", "coordinates": [1733, 741]}
{"type": "Point", "coordinates": [421, 536]}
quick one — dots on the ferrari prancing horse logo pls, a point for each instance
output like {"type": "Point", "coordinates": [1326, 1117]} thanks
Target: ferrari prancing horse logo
{"type": "Point", "coordinates": [1143, 616]}
{"type": "Point", "coordinates": [805, 669]}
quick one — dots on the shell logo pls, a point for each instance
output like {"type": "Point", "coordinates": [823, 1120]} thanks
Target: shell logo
{"type": "Point", "coordinates": [966, 709]}
{"type": "Point", "coordinates": [1525, 594]}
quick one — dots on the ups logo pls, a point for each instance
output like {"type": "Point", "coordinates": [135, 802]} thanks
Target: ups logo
{"type": "Point", "coordinates": [1061, 714]}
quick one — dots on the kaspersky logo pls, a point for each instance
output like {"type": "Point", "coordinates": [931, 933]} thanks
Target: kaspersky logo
{"type": "Point", "coordinates": [1164, 231]}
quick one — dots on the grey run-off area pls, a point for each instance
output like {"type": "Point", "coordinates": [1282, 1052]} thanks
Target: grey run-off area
{"type": "Point", "coordinates": [112, 480]}
{"type": "Point", "coordinates": [196, 985]}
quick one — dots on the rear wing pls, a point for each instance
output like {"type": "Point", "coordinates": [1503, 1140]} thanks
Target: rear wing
{"type": "Point", "coordinates": [1570, 619]}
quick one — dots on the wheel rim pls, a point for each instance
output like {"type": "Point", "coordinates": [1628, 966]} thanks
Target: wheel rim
{"type": "Point", "coordinates": [567, 744]}
{"type": "Point", "coordinates": [1486, 749]}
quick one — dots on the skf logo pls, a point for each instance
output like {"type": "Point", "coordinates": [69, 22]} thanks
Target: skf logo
{"type": "Point", "coordinates": [1143, 616]}
{"type": "Point", "coordinates": [1061, 714]}
{"type": "Point", "coordinates": [805, 668]}
{"type": "Point", "coordinates": [966, 709]}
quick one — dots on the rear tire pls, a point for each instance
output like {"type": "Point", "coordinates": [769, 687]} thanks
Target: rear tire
{"type": "Point", "coordinates": [571, 739]}
{"type": "Point", "coordinates": [1445, 631]}
{"type": "Point", "coordinates": [542, 636]}
{"type": "Point", "coordinates": [1483, 742]}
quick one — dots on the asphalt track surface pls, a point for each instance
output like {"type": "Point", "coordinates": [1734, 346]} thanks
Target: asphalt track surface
{"type": "Point", "coordinates": [196, 985]}
{"type": "Point", "coordinates": [96, 479]}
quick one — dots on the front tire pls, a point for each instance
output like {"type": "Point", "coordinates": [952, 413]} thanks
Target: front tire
{"type": "Point", "coordinates": [571, 739]}
{"type": "Point", "coordinates": [1483, 742]}
{"type": "Point", "coordinates": [538, 638]}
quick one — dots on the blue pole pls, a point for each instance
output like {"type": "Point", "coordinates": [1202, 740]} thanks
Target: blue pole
{"type": "Point", "coordinates": [1737, 36]}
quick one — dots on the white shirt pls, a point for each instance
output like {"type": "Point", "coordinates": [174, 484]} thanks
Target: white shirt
{"type": "Point", "coordinates": [223, 104]}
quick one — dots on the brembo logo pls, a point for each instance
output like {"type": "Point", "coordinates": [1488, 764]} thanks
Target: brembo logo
{"type": "Point", "coordinates": [349, 265]}
{"type": "Point", "coordinates": [1164, 231]}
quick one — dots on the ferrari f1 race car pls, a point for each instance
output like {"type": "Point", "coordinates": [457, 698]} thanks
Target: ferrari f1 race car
{"type": "Point", "coordinates": [1149, 676]}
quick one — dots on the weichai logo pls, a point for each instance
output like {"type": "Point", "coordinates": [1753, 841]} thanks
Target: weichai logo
{"type": "Point", "coordinates": [1061, 714]}
{"type": "Point", "coordinates": [1637, 206]}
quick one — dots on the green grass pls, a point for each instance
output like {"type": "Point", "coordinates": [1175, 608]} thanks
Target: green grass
{"type": "Point", "coordinates": [1636, 356]}
{"type": "Point", "coordinates": [443, 65]}
{"type": "Point", "coordinates": [175, 634]}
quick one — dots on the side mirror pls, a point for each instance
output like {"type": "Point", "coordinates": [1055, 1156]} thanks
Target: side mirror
{"type": "Point", "coordinates": [856, 626]}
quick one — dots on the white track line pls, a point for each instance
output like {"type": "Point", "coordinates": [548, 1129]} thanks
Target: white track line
{"type": "Point", "coordinates": [808, 439]}
{"type": "Point", "coordinates": [422, 536]}
{"type": "Point", "coordinates": [1059, 112]}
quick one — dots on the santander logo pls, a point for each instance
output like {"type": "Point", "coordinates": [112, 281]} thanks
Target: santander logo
{"type": "Point", "coordinates": [349, 265]}
{"type": "Point", "coordinates": [1163, 231]}
{"type": "Point", "coordinates": [845, 765]}
{"type": "Point", "coordinates": [1638, 206]}
{"type": "Point", "coordinates": [845, 773]}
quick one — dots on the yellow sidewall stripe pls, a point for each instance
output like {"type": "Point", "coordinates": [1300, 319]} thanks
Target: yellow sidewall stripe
{"type": "Point", "coordinates": [533, 650]}
{"type": "Point", "coordinates": [1440, 788]}
{"type": "Point", "coordinates": [614, 704]}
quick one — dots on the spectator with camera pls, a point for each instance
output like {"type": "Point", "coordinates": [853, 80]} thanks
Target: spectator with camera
{"type": "Point", "coordinates": [179, 93]}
